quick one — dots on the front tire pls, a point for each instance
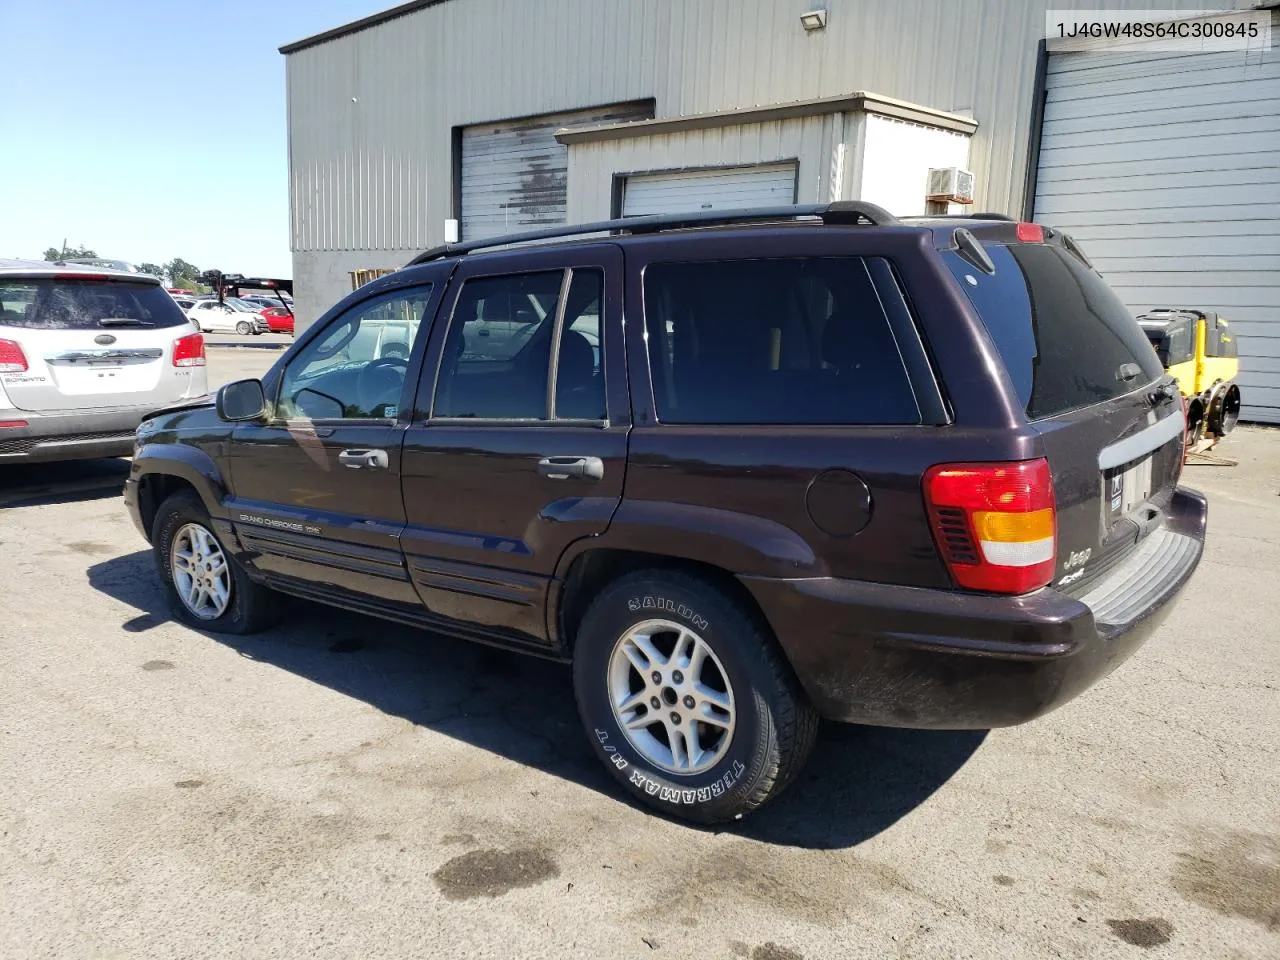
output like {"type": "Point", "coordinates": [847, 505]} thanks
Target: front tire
{"type": "Point", "coordinates": [686, 698]}
{"type": "Point", "coordinates": [205, 585]}
{"type": "Point", "coordinates": [244, 328]}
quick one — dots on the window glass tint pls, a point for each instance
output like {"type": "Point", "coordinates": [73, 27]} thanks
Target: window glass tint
{"type": "Point", "coordinates": [355, 368]}
{"type": "Point", "coordinates": [1062, 332]}
{"type": "Point", "coordinates": [1180, 348]}
{"type": "Point", "coordinates": [773, 341]}
{"type": "Point", "coordinates": [52, 304]}
{"type": "Point", "coordinates": [579, 369]}
{"type": "Point", "coordinates": [497, 357]}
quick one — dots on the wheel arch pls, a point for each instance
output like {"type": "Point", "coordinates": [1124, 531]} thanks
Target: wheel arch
{"type": "Point", "coordinates": [162, 470]}
{"type": "Point", "coordinates": [591, 569]}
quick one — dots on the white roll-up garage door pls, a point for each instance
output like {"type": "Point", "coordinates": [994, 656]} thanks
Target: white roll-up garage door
{"type": "Point", "coordinates": [1164, 167]}
{"type": "Point", "coordinates": [722, 188]}
{"type": "Point", "coordinates": [515, 174]}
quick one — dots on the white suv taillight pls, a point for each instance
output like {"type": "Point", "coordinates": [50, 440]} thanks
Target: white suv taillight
{"type": "Point", "coordinates": [188, 351]}
{"type": "Point", "coordinates": [12, 359]}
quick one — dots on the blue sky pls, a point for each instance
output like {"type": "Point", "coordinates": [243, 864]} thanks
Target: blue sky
{"type": "Point", "coordinates": [152, 129]}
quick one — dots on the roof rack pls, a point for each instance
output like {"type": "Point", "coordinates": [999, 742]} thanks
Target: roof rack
{"type": "Point", "coordinates": [962, 216]}
{"type": "Point", "coordinates": [840, 212]}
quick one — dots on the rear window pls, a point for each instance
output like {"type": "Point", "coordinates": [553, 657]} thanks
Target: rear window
{"type": "Point", "coordinates": [1065, 337]}
{"type": "Point", "coordinates": [56, 304]}
{"type": "Point", "coordinates": [785, 341]}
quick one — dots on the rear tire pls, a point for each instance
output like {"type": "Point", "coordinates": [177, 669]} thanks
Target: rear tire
{"type": "Point", "coordinates": [205, 585]}
{"type": "Point", "coordinates": [1224, 414]}
{"type": "Point", "coordinates": [244, 328]}
{"type": "Point", "coordinates": [705, 655]}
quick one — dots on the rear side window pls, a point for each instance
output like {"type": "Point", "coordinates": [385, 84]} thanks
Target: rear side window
{"type": "Point", "coordinates": [57, 304]}
{"type": "Point", "coordinates": [785, 341]}
{"type": "Point", "coordinates": [498, 358]}
{"type": "Point", "coordinates": [1066, 339]}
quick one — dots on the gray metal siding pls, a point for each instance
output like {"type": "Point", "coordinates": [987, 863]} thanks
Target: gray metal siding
{"type": "Point", "coordinates": [375, 172]}
{"type": "Point", "coordinates": [1164, 167]}
{"type": "Point", "coordinates": [371, 113]}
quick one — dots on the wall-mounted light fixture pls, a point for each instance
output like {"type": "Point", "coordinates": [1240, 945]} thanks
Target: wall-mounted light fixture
{"type": "Point", "coordinates": [814, 19]}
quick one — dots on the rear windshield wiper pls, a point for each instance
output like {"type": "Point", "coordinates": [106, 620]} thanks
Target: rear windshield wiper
{"type": "Point", "coordinates": [1128, 371]}
{"type": "Point", "coordinates": [124, 322]}
{"type": "Point", "coordinates": [972, 250]}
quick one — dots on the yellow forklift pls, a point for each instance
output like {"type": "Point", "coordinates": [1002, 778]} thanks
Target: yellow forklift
{"type": "Point", "coordinates": [1200, 351]}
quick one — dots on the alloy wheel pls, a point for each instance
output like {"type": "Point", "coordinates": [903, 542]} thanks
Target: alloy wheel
{"type": "Point", "coordinates": [200, 571]}
{"type": "Point", "coordinates": [671, 697]}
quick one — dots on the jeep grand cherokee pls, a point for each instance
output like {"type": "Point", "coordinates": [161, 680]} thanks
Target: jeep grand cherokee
{"type": "Point", "coordinates": [742, 471]}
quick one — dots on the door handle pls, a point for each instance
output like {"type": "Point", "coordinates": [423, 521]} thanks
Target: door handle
{"type": "Point", "coordinates": [576, 468]}
{"type": "Point", "coordinates": [358, 459]}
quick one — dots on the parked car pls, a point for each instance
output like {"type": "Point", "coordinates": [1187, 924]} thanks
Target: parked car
{"type": "Point", "coordinates": [917, 473]}
{"type": "Point", "coordinates": [215, 317]}
{"type": "Point", "coordinates": [279, 319]}
{"type": "Point", "coordinates": [85, 354]}
{"type": "Point", "coordinates": [120, 266]}
{"type": "Point", "coordinates": [262, 301]}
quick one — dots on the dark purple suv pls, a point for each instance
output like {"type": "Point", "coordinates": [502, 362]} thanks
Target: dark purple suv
{"type": "Point", "coordinates": [742, 471]}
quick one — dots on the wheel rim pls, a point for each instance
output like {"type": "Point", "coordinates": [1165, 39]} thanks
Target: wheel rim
{"type": "Point", "coordinates": [242, 327]}
{"type": "Point", "coordinates": [200, 572]}
{"type": "Point", "coordinates": [671, 697]}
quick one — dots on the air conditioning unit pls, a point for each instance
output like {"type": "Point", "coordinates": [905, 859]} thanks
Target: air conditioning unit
{"type": "Point", "coordinates": [950, 185]}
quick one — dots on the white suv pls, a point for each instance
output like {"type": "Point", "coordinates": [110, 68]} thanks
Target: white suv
{"type": "Point", "coordinates": [85, 354]}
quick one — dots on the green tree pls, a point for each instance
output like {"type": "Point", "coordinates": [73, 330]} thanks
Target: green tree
{"type": "Point", "coordinates": [53, 253]}
{"type": "Point", "coordinates": [154, 269]}
{"type": "Point", "coordinates": [181, 273]}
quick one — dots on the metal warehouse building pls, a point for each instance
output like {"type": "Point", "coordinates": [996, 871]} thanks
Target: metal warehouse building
{"type": "Point", "coordinates": [507, 114]}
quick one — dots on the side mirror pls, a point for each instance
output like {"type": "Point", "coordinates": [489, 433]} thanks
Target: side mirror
{"type": "Point", "coordinates": [241, 400]}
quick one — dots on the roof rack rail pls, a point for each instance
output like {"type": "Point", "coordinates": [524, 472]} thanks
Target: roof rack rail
{"type": "Point", "coordinates": [840, 212]}
{"type": "Point", "coordinates": [962, 216]}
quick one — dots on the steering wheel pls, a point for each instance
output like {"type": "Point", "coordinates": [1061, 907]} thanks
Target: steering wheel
{"type": "Point", "coordinates": [380, 382]}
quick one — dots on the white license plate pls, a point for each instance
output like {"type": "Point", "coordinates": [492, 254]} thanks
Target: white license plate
{"type": "Point", "coordinates": [1128, 488]}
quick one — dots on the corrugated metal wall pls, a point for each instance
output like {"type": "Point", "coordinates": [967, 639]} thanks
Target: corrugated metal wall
{"type": "Point", "coordinates": [1165, 167]}
{"type": "Point", "coordinates": [371, 113]}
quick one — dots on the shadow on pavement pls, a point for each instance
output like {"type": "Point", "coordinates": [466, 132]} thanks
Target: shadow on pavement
{"type": "Point", "coordinates": [63, 481]}
{"type": "Point", "coordinates": [860, 781]}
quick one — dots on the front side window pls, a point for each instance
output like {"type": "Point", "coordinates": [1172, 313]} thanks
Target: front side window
{"type": "Point", "coordinates": [497, 360]}
{"type": "Point", "coordinates": [355, 368]}
{"type": "Point", "coordinates": [773, 341]}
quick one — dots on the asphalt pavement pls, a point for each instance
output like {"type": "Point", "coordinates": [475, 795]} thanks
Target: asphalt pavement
{"type": "Point", "coordinates": [340, 787]}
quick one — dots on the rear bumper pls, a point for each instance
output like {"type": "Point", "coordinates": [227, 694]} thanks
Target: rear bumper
{"type": "Point", "coordinates": [70, 436]}
{"type": "Point", "coordinates": [912, 657]}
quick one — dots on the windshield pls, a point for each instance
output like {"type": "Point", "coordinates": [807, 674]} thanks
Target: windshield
{"type": "Point", "coordinates": [50, 303]}
{"type": "Point", "coordinates": [242, 306]}
{"type": "Point", "coordinates": [1066, 339]}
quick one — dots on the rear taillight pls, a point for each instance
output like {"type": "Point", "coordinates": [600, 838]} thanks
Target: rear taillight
{"type": "Point", "coordinates": [994, 523]}
{"type": "Point", "coordinates": [188, 351]}
{"type": "Point", "coordinates": [12, 359]}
